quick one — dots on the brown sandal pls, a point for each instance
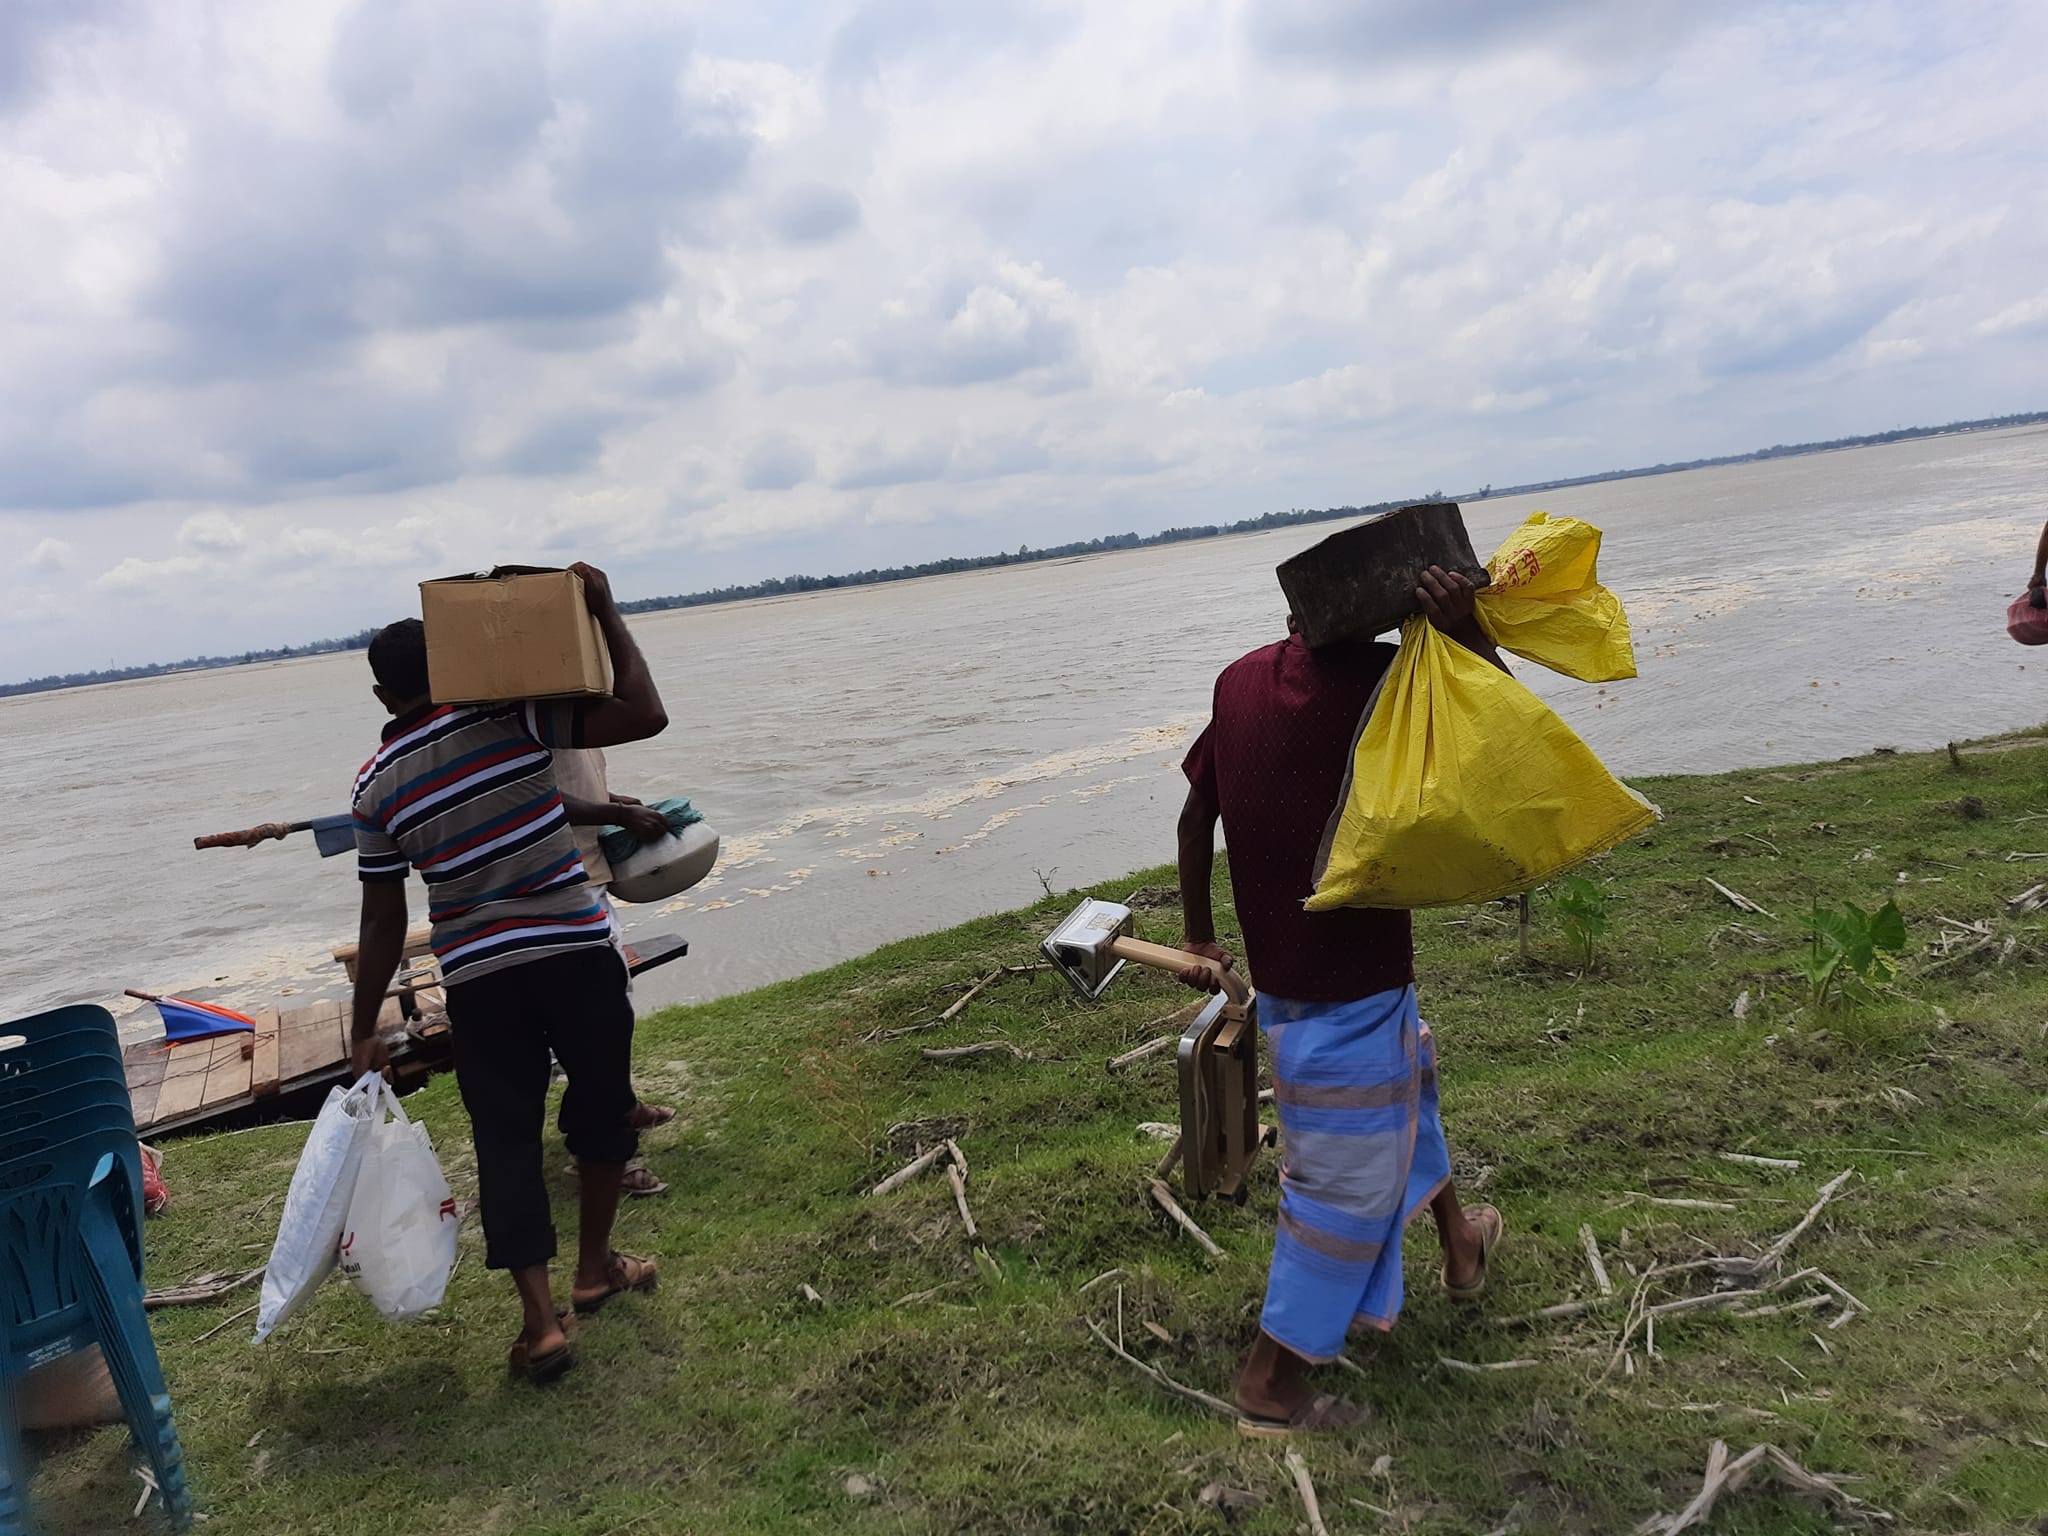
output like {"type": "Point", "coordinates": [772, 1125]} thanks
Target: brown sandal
{"type": "Point", "coordinates": [1491, 1225]}
{"type": "Point", "coordinates": [1320, 1412]}
{"type": "Point", "coordinates": [640, 1180]}
{"type": "Point", "coordinates": [637, 1181]}
{"type": "Point", "coordinates": [622, 1274]}
{"type": "Point", "coordinates": [549, 1365]}
{"type": "Point", "coordinates": [645, 1117]}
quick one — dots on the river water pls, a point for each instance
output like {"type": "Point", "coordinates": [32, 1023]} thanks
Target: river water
{"type": "Point", "coordinates": [890, 760]}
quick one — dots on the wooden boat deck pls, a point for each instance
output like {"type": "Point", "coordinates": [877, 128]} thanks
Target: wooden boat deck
{"type": "Point", "coordinates": [179, 1087]}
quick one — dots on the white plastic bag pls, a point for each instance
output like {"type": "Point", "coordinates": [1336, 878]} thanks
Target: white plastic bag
{"type": "Point", "coordinates": [399, 1244]}
{"type": "Point", "coordinates": [309, 1235]}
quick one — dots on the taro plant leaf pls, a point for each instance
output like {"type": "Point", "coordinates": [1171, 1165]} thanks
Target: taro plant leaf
{"type": "Point", "coordinates": [1582, 909]}
{"type": "Point", "coordinates": [1852, 944]}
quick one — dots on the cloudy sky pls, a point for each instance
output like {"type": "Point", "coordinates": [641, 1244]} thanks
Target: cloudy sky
{"type": "Point", "coordinates": [302, 303]}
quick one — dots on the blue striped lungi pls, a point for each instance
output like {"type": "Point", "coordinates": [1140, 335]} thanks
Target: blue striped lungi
{"type": "Point", "coordinates": [1362, 1151]}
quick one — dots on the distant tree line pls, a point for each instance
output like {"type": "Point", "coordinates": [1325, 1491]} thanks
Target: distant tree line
{"type": "Point", "coordinates": [360, 640]}
{"type": "Point", "coordinates": [784, 586]}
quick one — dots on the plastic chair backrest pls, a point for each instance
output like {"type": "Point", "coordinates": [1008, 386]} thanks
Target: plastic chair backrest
{"type": "Point", "coordinates": [42, 1199]}
{"type": "Point", "coordinates": [20, 1109]}
{"type": "Point", "coordinates": [28, 1140]}
{"type": "Point", "coordinates": [63, 1039]}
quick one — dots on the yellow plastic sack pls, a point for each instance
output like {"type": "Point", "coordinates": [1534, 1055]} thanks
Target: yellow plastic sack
{"type": "Point", "coordinates": [1545, 601]}
{"type": "Point", "coordinates": [1464, 786]}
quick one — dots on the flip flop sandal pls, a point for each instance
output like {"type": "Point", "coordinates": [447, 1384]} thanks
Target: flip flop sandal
{"type": "Point", "coordinates": [640, 1180]}
{"type": "Point", "coordinates": [1491, 1226]}
{"type": "Point", "coordinates": [623, 1274]}
{"type": "Point", "coordinates": [645, 1117]}
{"type": "Point", "coordinates": [1320, 1412]}
{"type": "Point", "coordinates": [550, 1364]}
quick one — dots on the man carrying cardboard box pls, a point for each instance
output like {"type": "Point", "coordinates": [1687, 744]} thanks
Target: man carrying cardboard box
{"type": "Point", "coordinates": [466, 795]}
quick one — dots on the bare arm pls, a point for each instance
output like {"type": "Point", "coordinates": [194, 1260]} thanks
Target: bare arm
{"type": "Point", "coordinates": [380, 946]}
{"type": "Point", "coordinates": [2040, 577]}
{"type": "Point", "coordinates": [643, 821]}
{"type": "Point", "coordinates": [634, 712]}
{"type": "Point", "coordinates": [1448, 599]}
{"type": "Point", "coordinates": [1198, 911]}
{"type": "Point", "coordinates": [1197, 868]}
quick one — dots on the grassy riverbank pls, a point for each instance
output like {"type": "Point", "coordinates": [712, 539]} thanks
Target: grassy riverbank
{"type": "Point", "coordinates": [970, 1395]}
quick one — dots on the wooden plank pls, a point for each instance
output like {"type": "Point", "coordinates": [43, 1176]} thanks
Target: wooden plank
{"type": "Point", "coordinates": [657, 949]}
{"type": "Point", "coordinates": [263, 1066]}
{"type": "Point", "coordinates": [184, 1085]}
{"type": "Point", "coordinates": [308, 1040]}
{"type": "Point", "coordinates": [228, 1075]}
{"type": "Point", "coordinates": [145, 1070]}
{"type": "Point", "coordinates": [417, 943]}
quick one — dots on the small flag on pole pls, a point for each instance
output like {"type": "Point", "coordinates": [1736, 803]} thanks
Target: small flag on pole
{"type": "Point", "coordinates": [186, 1020]}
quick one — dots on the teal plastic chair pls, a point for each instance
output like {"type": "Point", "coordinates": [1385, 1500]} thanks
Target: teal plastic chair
{"type": "Point", "coordinates": [71, 1245]}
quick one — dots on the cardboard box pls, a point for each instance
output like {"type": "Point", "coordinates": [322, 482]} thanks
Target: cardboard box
{"type": "Point", "coordinates": [517, 632]}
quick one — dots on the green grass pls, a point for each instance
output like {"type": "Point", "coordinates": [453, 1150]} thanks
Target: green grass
{"type": "Point", "coordinates": [727, 1403]}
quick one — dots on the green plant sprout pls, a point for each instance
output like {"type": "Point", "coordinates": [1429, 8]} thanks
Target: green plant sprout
{"type": "Point", "coordinates": [1582, 910]}
{"type": "Point", "coordinates": [1852, 951]}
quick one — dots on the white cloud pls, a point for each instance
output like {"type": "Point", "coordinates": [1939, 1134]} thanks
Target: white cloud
{"type": "Point", "coordinates": [2028, 314]}
{"type": "Point", "coordinates": [212, 531]}
{"type": "Point", "coordinates": [156, 578]}
{"type": "Point", "coordinates": [367, 287]}
{"type": "Point", "coordinates": [49, 555]}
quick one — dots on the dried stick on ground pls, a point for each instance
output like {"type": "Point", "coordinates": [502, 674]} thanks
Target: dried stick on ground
{"type": "Point", "coordinates": [968, 996]}
{"type": "Point", "coordinates": [1793, 1306]}
{"type": "Point", "coordinates": [959, 1157]}
{"type": "Point", "coordinates": [1631, 1320]}
{"type": "Point", "coordinates": [1307, 1490]}
{"type": "Point", "coordinates": [910, 1170]}
{"type": "Point", "coordinates": [1790, 1164]}
{"type": "Point", "coordinates": [1839, 1290]}
{"type": "Point", "coordinates": [1482, 1368]}
{"type": "Point", "coordinates": [1771, 1255]}
{"type": "Point", "coordinates": [203, 1288]}
{"type": "Point", "coordinates": [1736, 899]}
{"type": "Point", "coordinates": [979, 1048]}
{"type": "Point", "coordinates": [1726, 1476]}
{"type": "Point", "coordinates": [1163, 1198]}
{"type": "Point", "coordinates": [1172, 1159]}
{"type": "Point", "coordinates": [216, 1328]}
{"type": "Point", "coordinates": [1107, 1274]}
{"type": "Point", "coordinates": [960, 1199]}
{"type": "Point", "coordinates": [877, 1036]}
{"type": "Point", "coordinates": [1701, 1303]}
{"type": "Point", "coordinates": [1215, 1405]}
{"type": "Point", "coordinates": [1546, 1314]}
{"type": "Point", "coordinates": [1118, 1063]}
{"type": "Point", "coordinates": [1592, 1246]}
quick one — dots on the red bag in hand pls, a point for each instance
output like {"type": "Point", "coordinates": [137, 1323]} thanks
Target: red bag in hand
{"type": "Point", "coordinates": [2027, 619]}
{"type": "Point", "coordinates": [154, 1196]}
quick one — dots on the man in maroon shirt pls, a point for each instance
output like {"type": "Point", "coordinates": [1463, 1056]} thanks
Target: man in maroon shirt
{"type": "Point", "coordinates": [1353, 1065]}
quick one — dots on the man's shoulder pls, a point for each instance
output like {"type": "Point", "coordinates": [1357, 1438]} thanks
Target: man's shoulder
{"type": "Point", "coordinates": [405, 738]}
{"type": "Point", "coordinates": [1287, 669]}
{"type": "Point", "coordinates": [1262, 662]}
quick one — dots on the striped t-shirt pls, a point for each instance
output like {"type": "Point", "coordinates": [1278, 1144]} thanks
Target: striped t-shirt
{"type": "Point", "coordinates": [466, 795]}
